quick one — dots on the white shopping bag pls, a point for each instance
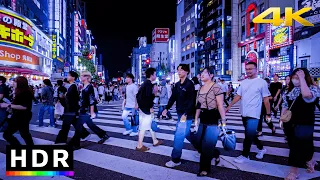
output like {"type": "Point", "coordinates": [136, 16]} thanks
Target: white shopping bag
{"type": "Point", "coordinates": [59, 109]}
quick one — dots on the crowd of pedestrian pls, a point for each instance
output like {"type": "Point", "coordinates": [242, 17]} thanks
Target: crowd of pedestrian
{"type": "Point", "coordinates": [202, 101]}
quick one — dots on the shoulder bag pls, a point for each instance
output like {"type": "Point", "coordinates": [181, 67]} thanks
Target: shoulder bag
{"type": "Point", "coordinates": [286, 116]}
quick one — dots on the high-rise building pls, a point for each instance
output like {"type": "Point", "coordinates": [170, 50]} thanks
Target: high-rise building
{"type": "Point", "coordinates": [140, 61]}
{"type": "Point", "coordinates": [260, 43]}
{"type": "Point", "coordinates": [188, 36]}
{"type": "Point", "coordinates": [31, 54]}
{"type": "Point", "coordinates": [160, 52]}
{"type": "Point", "coordinates": [214, 36]}
{"type": "Point", "coordinates": [306, 45]}
{"type": "Point", "coordinates": [180, 13]}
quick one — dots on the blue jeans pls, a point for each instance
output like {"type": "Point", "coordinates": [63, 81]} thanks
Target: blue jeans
{"type": "Point", "coordinates": [250, 127]}
{"type": "Point", "coordinates": [43, 109]}
{"type": "Point", "coordinates": [182, 131]}
{"type": "Point", "coordinates": [205, 141]}
{"type": "Point", "coordinates": [126, 122]}
{"type": "Point", "coordinates": [161, 108]}
{"type": "Point", "coordinates": [3, 115]}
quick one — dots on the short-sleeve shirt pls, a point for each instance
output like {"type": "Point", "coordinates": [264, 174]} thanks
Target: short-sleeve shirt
{"type": "Point", "coordinates": [131, 92]}
{"type": "Point", "coordinates": [252, 92]}
{"type": "Point", "coordinates": [208, 100]}
{"type": "Point", "coordinates": [24, 99]}
{"type": "Point", "coordinates": [274, 87]}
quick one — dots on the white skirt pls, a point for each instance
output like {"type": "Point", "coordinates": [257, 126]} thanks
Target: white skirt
{"type": "Point", "coordinates": [145, 121]}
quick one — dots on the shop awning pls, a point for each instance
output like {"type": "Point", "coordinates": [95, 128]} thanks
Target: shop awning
{"type": "Point", "coordinates": [18, 70]}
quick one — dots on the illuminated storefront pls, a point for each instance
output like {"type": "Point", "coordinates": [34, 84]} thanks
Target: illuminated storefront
{"type": "Point", "coordinates": [279, 50]}
{"type": "Point", "coordinates": [24, 49]}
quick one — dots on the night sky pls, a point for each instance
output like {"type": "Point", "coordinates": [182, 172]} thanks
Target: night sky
{"type": "Point", "coordinates": [125, 21]}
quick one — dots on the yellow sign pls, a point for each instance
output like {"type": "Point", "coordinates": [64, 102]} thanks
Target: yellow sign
{"type": "Point", "coordinates": [277, 20]}
{"type": "Point", "coordinates": [54, 46]}
{"type": "Point", "coordinates": [15, 30]}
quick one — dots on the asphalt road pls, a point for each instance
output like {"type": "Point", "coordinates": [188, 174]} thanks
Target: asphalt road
{"type": "Point", "coordinates": [118, 159]}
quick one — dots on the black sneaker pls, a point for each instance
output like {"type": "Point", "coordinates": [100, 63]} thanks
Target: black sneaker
{"type": "Point", "coordinates": [103, 139]}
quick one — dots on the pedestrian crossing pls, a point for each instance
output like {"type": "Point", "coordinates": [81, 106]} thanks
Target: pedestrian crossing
{"type": "Point", "coordinates": [118, 156]}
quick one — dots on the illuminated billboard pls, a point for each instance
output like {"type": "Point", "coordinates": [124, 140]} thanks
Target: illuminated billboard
{"type": "Point", "coordinates": [160, 35]}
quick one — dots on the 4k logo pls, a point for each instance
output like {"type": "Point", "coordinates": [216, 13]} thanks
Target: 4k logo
{"type": "Point", "coordinates": [277, 20]}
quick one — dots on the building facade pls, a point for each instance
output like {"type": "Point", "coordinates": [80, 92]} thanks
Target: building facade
{"type": "Point", "coordinates": [214, 36]}
{"type": "Point", "coordinates": [178, 32]}
{"type": "Point", "coordinates": [25, 48]}
{"type": "Point", "coordinates": [268, 46]}
{"type": "Point", "coordinates": [306, 45]}
{"type": "Point", "coordinates": [188, 36]}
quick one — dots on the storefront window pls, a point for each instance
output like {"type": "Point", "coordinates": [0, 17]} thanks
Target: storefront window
{"type": "Point", "coordinates": [251, 46]}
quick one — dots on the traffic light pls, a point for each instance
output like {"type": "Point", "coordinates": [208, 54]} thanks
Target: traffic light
{"type": "Point", "coordinates": [119, 79]}
{"type": "Point", "coordinates": [148, 61]}
{"type": "Point", "coordinates": [90, 56]}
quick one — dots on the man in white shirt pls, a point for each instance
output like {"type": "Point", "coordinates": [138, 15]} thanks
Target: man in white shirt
{"type": "Point", "coordinates": [224, 88]}
{"type": "Point", "coordinates": [130, 105]}
{"type": "Point", "coordinates": [251, 92]}
{"type": "Point", "coordinates": [169, 90]}
{"type": "Point", "coordinates": [101, 92]}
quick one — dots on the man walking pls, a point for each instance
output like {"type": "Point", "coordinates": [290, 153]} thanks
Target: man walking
{"type": "Point", "coordinates": [145, 99]}
{"type": "Point", "coordinates": [4, 97]}
{"type": "Point", "coordinates": [183, 95]}
{"type": "Point", "coordinates": [225, 89]}
{"type": "Point", "coordinates": [130, 105]}
{"type": "Point", "coordinates": [251, 92]}
{"type": "Point", "coordinates": [47, 101]}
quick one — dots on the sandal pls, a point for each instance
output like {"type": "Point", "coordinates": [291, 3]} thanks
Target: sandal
{"type": "Point", "coordinates": [310, 166]}
{"type": "Point", "coordinates": [291, 176]}
{"type": "Point", "coordinates": [202, 174]}
{"type": "Point", "coordinates": [143, 149]}
{"type": "Point", "coordinates": [160, 142]}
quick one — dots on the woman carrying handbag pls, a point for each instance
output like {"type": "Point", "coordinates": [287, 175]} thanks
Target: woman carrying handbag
{"type": "Point", "coordinates": [299, 118]}
{"type": "Point", "coordinates": [210, 108]}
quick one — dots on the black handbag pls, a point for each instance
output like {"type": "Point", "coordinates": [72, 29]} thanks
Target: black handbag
{"type": "Point", "coordinates": [135, 119]}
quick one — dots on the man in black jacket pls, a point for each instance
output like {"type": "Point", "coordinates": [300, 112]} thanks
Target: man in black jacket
{"type": "Point", "coordinates": [183, 94]}
{"type": "Point", "coordinates": [145, 98]}
{"type": "Point", "coordinates": [71, 108]}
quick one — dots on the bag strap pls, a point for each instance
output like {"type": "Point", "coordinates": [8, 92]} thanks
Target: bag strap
{"type": "Point", "coordinates": [207, 95]}
{"type": "Point", "coordinates": [293, 102]}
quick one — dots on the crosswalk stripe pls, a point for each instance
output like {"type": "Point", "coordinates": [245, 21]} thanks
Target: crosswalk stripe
{"type": "Point", "coordinates": [252, 166]}
{"type": "Point", "coordinates": [126, 166]}
{"type": "Point", "coordinates": [271, 150]}
{"type": "Point", "coordinates": [3, 173]}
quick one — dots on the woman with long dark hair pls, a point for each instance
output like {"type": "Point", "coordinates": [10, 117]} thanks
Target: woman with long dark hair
{"type": "Point", "coordinates": [300, 98]}
{"type": "Point", "coordinates": [21, 112]}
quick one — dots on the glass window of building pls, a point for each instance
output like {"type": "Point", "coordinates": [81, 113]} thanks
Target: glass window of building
{"type": "Point", "coordinates": [243, 6]}
{"type": "Point", "coordinates": [182, 40]}
{"type": "Point", "coordinates": [251, 46]}
{"type": "Point", "coordinates": [182, 58]}
{"type": "Point", "coordinates": [210, 23]}
{"type": "Point", "coordinates": [187, 56]}
{"type": "Point", "coordinates": [192, 44]}
{"type": "Point", "coordinates": [188, 18]}
{"type": "Point", "coordinates": [210, 3]}
{"type": "Point", "coordinates": [192, 14]}
{"type": "Point", "coordinates": [188, 27]}
{"type": "Point", "coordinates": [192, 55]}
{"type": "Point", "coordinates": [188, 46]}
{"type": "Point", "coordinates": [192, 34]}
{"type": "Point", "coordinates": [183, 49]}
{"type": "Point", "coordinates": [243, 50]}
{"type": "Point", "coordinates": [261, 26]}
{"type": "Point", "coordinates": [183, 30]}
{"type": "Point", "coordinates": [188, 37]}
{"type": "Point", "coordinates": [261, 46]}
{"type": "Point", "coordinates": [192, 65]}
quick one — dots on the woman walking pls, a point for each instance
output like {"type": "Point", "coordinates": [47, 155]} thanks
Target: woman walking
{"type": "Point", "coordinates": [210, 108]}
{"type": "Point", "coordinates": [21, 113]}
{"type": "Point", "coordinates": [300, 98]}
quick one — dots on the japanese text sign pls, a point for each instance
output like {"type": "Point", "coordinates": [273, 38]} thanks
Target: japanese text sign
{"type": "Point", "coordinates": [15, 30]}
{"type": "Point", "coordinates": [18, 56]}
{"type": "Point", "coordinates": [160, 35]}
{"type": "Point", "coordinates": [54, 46]}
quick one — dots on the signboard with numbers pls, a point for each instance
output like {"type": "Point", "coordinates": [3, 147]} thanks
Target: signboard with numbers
{"type": "Point", "coordinates": [160, 35]}
{"type": "Point", "coordinates": [15, 29]}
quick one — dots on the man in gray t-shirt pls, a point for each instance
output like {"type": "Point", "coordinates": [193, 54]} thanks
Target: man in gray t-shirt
{"type": "Point", "coordinates": [252, 92]}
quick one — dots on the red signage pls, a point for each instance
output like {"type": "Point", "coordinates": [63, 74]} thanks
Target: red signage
{"type": "Point", "coordinates": [17, 56]}
{"type": "Point", "coordinates": [160, 35]}
{"type": "Point", "coordinates": [252, 56]}
{"type": "Point", "coordinates": [15, 30]}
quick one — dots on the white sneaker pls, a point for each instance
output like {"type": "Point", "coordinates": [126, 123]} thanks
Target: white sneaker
{"type": "Point", "coordinates": [127, 132]}
{"type": "Point", "coordinates": [241, 159]}
{"type": "Point", "coordinates": [197, 155]}
{"type": "Point", "coordinates": [133, 134]}
{"type": "Point", "coordinates": [171, 164]}
{"type": "Point", "coordinates": [261, 153]}
{"type": "Point", "coordinates": [86, 139]}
